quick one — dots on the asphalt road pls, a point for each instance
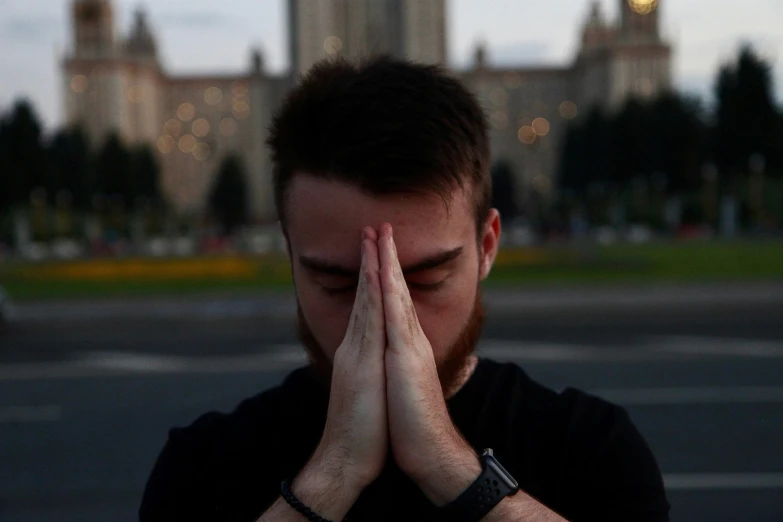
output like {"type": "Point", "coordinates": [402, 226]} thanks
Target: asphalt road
{"type": "Point", "coordinates": [88, 392]}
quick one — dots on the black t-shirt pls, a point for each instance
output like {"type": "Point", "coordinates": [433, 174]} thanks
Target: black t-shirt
{"type": "Point", "coordinates": [577, 454]}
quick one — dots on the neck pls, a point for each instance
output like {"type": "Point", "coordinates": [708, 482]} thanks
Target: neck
{"type": "Point", "coordinates": [462, 377]}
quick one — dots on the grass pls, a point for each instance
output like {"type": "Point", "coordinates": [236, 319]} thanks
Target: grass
{"type": "Point", "coordinates": [591, 265]}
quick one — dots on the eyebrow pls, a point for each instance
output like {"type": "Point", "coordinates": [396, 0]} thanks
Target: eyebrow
{"type": "Point", "coordinates": [329, 268]}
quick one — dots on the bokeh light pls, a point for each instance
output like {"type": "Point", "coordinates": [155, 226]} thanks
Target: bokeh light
{"type": "Point", "coordinates": [240, 88]}
{"type": "Point", "coordinates": [228, 127]}
{"type": "Point", "coordinates": [498, 96]}
{"type": "Point", "coordinates": [241, 110]}
{"type": "Point", "coordinates": [173, 127]}
{"type": "Point", "coordinates": [79, 83]}
{"type": "Point", "coordinates": [165, 144]}
{"type": "Point", "coordinates": [200, 127]}
{"type": "Point", "coordinates": [512, 80]}
{"type": "Point", "coordinates": [187, 143]}
{"type": "Point", "coordinates": [542, 184]}
{"type": "Point", "coordinates": [527, 135]}
{"type": "Point", "coordinates": [541, 126]}
{"type": "Point", "coordinates": [643, 7]}
{"type": "Point", "coordinates": [201, 151]}
{"type": "Point", "coordinates": [333, 45]}
{"type": "Point", "coordinates": [499, 120]}
{"type": "Point", "coordinates": [186, 111]}
{"type": "Point", "coordinates": [213, 96]}
{"type": "Point", "coordinates": [568, 110]}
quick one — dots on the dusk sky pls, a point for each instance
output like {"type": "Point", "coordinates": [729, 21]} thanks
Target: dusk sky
{"type": "Point", "coordinates": [212, 35]}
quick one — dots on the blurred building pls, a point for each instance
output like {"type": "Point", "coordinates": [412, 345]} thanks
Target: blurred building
{"type": "Point", "coordinates": [117, 84]}
{"type": "Point", "coordinates": [529, 108]}
{"type": "Point", "coordinates": [412, 29]}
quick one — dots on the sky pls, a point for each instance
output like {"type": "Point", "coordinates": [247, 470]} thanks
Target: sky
{"type": "Point", "coordinates": [217, 35]}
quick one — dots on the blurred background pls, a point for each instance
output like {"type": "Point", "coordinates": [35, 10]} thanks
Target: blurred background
{"type": "Point", "coordinates": [637, 165]}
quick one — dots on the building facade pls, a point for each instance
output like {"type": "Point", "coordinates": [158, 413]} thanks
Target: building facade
{"type": "Point", "coordinates": [115, 84]}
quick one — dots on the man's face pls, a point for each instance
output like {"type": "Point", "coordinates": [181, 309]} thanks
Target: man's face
{"type": "Point", "coordinates": [442, 260]}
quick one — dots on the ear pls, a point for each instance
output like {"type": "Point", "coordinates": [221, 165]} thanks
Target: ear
{"type": "Point", "coordinates": [489, 243]}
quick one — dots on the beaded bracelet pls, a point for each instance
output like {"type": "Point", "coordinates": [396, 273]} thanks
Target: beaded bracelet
{"type": "Point", "coordinates": [288, 495]}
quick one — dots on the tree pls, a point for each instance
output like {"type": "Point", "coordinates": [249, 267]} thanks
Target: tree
{"type": "Point", "coordinates": [146, 173]}
{"type": "Point", "coordinates": [228, 199]}
{"type": "Point", "coordinates": [747, 120]}
{"type": "Point", "coordinates": [25, 162]}
{"type": "Point", "coordinates": [71, 167]}
{"type": "Point", "coordinates": [114, 172]}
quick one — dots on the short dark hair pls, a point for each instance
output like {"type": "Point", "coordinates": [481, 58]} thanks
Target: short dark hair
{"type": "Point", "coordinates": [386, 126]}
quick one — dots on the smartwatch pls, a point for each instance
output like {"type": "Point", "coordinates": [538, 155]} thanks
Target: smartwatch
{"type": "Point", "coordinates": [493, 485]}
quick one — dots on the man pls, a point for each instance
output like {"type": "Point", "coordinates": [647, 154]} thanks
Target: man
{"type": "Point", "coordinates": [383, 192]}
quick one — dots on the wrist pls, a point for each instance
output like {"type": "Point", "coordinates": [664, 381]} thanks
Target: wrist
{"type": "Point", "coordinates": [443, 481]}
{"type": "Point", "coordinates": [326, 488]}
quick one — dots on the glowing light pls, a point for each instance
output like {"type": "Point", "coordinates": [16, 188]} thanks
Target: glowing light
{"type": "Point", "coordinates": [645, 86]}
{"type": "Point", "coordinates": [239, 88]}
{"type": "Point", "coordinates": [213, 96]}
{"type": "Point", "coordinates": [187, 143]}
{"type": "Point", "coordinates": [499, 120]}
{"type": "Point", "coordinates": [186, 111]}
{"type": "Point", "coordinates": [201, 151]}
{"type": "Point", "coordinates": [541, 126]}
{"type": "Point", "coordinates": [542, 184]}
{"type": "Point", "coordinates": [228, 127]}
{"type": "Point", "coordinates": [241, 110]}
{"type": "Point", "coordinates": [200, 127]}
{"type": "Point", "coordinates": [568, 110]}
{"type": "Point", "coordinates": [643, 7]}
{"type": "Point", "coordinates": [498, 96]}
{"type": "Point", "coordinates": [527, 135]}
{"type": "Point", "coordinates": [173, 127]}
{"type": "Point", "coordinates": [332, 45]}
{"type": "Point", "coordinates": [79, 83]}
{"type": "Point", "coordinates": [512, 80]}
{"type": "Point", "coordinates": [165, 144]}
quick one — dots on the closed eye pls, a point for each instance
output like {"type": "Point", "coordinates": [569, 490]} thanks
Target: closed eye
{"type": "Point", "coordinates": [432, 287]}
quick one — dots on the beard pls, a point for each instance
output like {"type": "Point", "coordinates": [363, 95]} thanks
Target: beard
{"type": "Point", "coordinates": [450, 366]}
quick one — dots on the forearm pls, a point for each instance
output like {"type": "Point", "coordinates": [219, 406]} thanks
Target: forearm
{"type": "Point", "coordinates": [522, 507]}
{"type": "Point", "coordinates": [319, 487]}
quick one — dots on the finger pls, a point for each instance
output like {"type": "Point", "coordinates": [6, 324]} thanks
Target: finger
{"type": "Point", "coordinates": [400, 314]}
{"type": "Point", "coordinates": [375, 331]}
{"type": "Point", "coordinates": [357, 322]}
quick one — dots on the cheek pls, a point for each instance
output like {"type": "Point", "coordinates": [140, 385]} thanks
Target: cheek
{"type": "Point", "coordinates": [326, 316]}
{"type": "Point", "coordinates": [444, 317]}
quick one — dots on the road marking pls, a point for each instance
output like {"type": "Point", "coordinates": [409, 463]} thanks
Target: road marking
{"type": "Point", "coordinates": [694, 481]}
{"type": "Point", "coordinates": [700, 395]}
{"type": "Point", "coordinates": [289, 356]}
{"type": "Point", "coordinates": [30, 414]}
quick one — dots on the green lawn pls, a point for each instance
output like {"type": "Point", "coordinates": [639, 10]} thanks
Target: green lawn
{"type": "Point", "coordinates": [592, 265]}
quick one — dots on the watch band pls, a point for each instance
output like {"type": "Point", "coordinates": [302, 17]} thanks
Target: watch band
{"type": "Point", "coordinates": [493, 485]}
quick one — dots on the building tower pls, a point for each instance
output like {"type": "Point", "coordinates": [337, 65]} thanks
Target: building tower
{"type": "Point", "coordinates": [412, 29]}
{"type": "Point", "coordinates": [639, 20]}
{"type": "Point", "coordinates": [93, 29]}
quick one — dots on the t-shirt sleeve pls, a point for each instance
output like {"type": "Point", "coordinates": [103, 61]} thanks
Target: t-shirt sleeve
{"type": "Point", "coordinates": [613, 474]}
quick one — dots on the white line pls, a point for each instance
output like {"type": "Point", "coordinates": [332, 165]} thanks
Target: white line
{"type": "Point", "coordinates": [693, 481]}
{"type": "Point", "coordinates": [701, 395]}
{"type": "Point", "coordinates": [30, 414]}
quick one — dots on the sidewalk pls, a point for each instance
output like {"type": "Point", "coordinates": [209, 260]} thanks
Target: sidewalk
{"type": "Point", "coordinates": [517, 300]}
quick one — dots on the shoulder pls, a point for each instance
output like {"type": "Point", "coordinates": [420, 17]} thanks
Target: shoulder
{"type": "Point", "coordinates": [217, 452]}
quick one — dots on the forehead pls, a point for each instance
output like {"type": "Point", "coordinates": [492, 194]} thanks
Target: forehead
{"type": "Point", "coordinates": [326, 218]}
